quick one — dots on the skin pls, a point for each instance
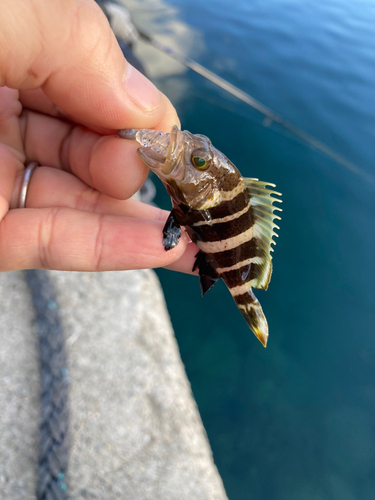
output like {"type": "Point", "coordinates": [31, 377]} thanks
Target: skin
{"type": "Point", "coordinates": [65, 88]}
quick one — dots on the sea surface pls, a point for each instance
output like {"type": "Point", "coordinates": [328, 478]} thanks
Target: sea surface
{"type": "Point", "coordinates": [295, 421]}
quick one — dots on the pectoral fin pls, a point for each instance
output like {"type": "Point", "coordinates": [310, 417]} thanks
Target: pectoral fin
{"type": "Point", "coordinates": [207, 274]}
{"type": "Point", "coordinates": [171, 232]}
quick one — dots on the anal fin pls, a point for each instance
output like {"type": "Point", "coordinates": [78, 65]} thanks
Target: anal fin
{"type": "Point", "coordinates": [207, 274]}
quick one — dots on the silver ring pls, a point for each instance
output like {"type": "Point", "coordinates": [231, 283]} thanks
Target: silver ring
{"type": "Point", "coordinates": [26, 181]}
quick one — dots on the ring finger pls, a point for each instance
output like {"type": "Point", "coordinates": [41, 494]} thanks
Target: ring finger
{"type": "Point", "coordinates": [51, 187]}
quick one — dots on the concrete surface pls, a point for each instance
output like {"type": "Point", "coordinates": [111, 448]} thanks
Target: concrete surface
{"type": "Point", "coordinates": [135, 429]}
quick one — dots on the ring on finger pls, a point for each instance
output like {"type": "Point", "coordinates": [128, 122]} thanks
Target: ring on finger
{"type": "Point", "coordinates": [25, 183]}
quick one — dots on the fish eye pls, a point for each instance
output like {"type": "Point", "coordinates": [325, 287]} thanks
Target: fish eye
{"type": "Point", "coordinates": [200, 162]}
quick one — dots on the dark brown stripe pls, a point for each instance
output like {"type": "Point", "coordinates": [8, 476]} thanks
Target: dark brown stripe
{"type": "Point", "coordinates": [230, 207]}
{"type": "Point", "coordinates": [245, 298]}
{"type": "Point", "coordinates": [224, 230]}
{"type": "Point", "coordinates": [242, 275]}
{"type": "Point", "coordinates": [187, 216]}
{"type": "Point", "coordinates": [230, 257]}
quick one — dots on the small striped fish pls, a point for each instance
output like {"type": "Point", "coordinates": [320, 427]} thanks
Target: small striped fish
{"type": "Point", "coordinates": [230, 218]}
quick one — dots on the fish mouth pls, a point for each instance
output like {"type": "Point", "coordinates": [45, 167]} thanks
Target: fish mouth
{"type": "Point", "coordinates": [160, 155]}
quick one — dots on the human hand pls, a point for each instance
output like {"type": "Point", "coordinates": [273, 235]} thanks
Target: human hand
{"type": "Point", "coordinates": [65, 89]}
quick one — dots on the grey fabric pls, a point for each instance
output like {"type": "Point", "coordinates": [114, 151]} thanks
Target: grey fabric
{"type": "Point", "coordinates": [134, 426]}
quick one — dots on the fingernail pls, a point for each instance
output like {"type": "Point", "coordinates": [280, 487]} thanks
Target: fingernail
{"type": "Point", "coordinates": [141, 90]}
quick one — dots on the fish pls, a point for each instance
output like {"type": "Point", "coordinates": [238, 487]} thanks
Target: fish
{"type": "Point", "coordinates": [230, 218]}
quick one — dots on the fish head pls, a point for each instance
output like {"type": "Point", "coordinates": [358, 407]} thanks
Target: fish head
{"type": "Point", "coordinates": [187, 164]}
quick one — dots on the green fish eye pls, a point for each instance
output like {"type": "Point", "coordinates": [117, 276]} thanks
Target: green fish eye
{"type": "Point", "coordinates": [199, 162]}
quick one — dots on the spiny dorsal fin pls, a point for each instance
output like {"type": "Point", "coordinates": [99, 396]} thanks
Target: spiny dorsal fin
{"type": "Point", "coordinates": [262, 210]}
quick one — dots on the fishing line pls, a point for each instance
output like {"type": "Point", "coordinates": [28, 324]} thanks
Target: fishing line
{"type": "Point", "coordinates": [270, 116]}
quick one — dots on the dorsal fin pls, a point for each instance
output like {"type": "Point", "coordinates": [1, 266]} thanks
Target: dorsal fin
{"type": "Point", "coordinates": [262, 209]}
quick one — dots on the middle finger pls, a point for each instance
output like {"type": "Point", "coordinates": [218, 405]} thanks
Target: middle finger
{"type": "Point", "coordinates": [105, 163]}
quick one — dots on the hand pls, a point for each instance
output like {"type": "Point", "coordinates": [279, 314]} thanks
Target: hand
{"type": "Point", "coordinates": [65, 90]}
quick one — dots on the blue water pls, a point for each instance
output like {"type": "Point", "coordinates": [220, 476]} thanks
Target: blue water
{"type": "Point", "coordinates": [297, 420]}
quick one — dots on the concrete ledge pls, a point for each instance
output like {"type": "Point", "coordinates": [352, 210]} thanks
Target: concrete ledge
{"type": "Point", "coordinates": [135, 429]}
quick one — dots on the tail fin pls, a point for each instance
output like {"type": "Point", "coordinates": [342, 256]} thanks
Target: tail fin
{"type": "Point", "coordinates": [252, 311]}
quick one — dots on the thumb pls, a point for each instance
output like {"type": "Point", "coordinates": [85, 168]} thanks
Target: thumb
{"type": "Point", "coordinates": [67, 48]}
